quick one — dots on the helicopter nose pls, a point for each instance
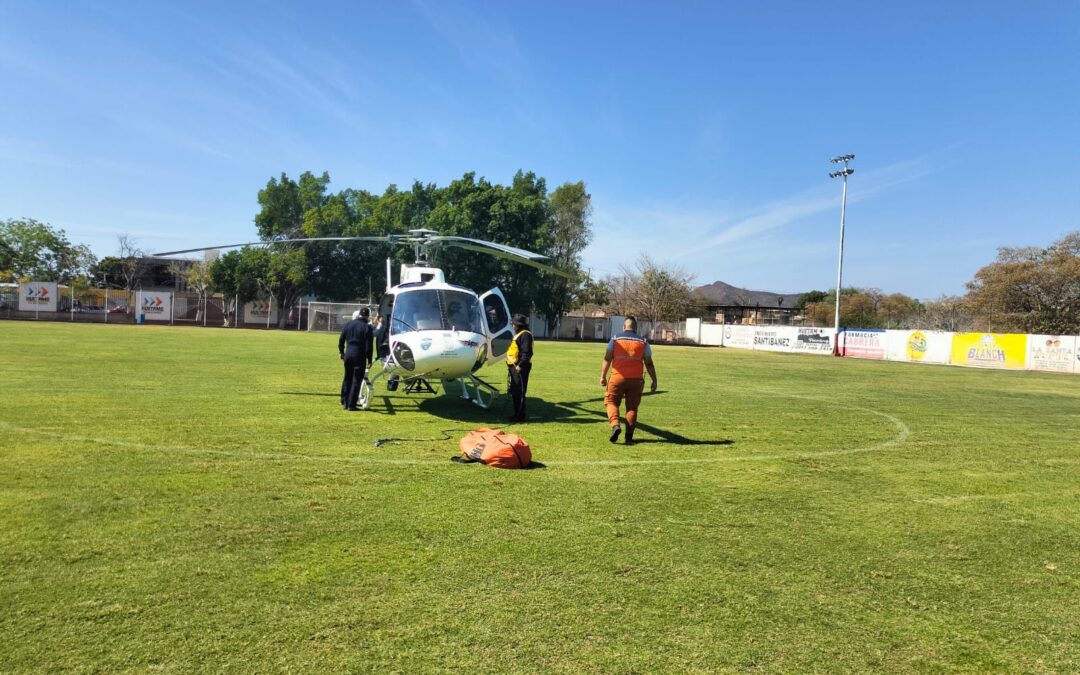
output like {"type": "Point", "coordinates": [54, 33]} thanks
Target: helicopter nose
{"type": "Point", "coordinates": [441, 356]}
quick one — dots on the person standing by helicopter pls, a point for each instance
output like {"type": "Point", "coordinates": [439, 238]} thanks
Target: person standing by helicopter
{"type": "Point", "coordinates": [628, 356]}
{"type": "Point", "coordinates": [354, 348]}
{"type": "Point", "coordinates": [519, 365]}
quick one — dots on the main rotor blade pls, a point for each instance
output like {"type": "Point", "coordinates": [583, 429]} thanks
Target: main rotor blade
{"type": "Point", "coordinates": [485, 245]}
{"type": "Point", "coordinates": [502, 251]}
{"type": "Point", "coordinates": [394, 239]}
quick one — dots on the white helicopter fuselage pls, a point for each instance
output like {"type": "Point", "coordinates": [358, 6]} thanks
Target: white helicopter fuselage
{"type": "Point", "coordinates": [441, 331]}
{"type": "Point", "coordinates": [433, 329]}
{"type": "Point", "coordinates": [436, 354]}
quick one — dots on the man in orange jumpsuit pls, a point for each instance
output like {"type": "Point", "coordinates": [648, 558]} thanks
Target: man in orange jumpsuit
{"type": "Point", "coordinates": [628, 356]}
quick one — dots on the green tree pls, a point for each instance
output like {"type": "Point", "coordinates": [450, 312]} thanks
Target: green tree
{"type": "Point", "coordinates": [949, 313]}
{"type": "Point", "coordinates": [594, 293]}
{"type": "Point", "coordinates": [286, 272]}
{"type": "Point", "coordinates": [514, 215]}
{"type": "Point", "coordinates": [861, 308]}
{"type": "Point", "coordinates": [30, 249]}
{"type": "Point", "coordinates": [809, 297]}
{"type": "Point", "coordinates": [897, 310]}
{"type": "Point", "coordinates": [1030, 289]}
{"type": "Point", "coordinates": [234, 274]}
{"type": "Point", "coordinates": [127, 268]}
{"type": "Point", "coordinates": [108, 271]}
{"type": "Point", "coordinates": [520, 214]}
{"type": "Point", "coordinates": [280, 212]}
{"type": "Point", "coordinates": [570, 208]}
{"type": "Point", "coordinates": [285, 278]}
{"type": "Point", "coordinates": [590, 294]}
{"type": "Point", "coordinates": [197, 278]}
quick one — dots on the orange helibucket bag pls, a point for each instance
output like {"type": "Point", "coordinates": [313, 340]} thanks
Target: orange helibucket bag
{"type": "Point", "coordinates": [497, 448]}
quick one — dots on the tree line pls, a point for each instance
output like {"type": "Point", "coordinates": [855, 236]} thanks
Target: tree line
{"type": "Point", "coordinates": [1025, 290]}
{"type": "Point", "coordinates": [523, 214]}
{"type": "Point", "coordinates": [1029, 289]}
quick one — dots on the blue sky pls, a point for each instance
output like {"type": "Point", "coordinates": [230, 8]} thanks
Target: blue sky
{"type": "Point", "coordinates": [702, 129]}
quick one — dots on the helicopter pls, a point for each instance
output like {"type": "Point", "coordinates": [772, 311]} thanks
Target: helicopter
{"type": "Point", "coordinates": [436, 330]}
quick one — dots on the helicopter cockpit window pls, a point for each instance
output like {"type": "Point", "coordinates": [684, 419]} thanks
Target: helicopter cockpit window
{"type": "Point", "coordinates": [430, 309]}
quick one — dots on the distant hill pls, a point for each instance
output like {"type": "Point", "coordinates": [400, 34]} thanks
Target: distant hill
{"type": "Point", "coordinates": [719, 293]}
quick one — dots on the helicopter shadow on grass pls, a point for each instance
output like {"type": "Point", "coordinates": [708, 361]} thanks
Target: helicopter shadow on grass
{"type": "Point", "coordinates": [541, 412]}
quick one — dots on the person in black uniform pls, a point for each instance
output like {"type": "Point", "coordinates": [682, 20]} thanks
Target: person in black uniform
{"type": "Point", "coordinates": [519, 364]}
{"type": "Point", "coordinates": [354, 348]}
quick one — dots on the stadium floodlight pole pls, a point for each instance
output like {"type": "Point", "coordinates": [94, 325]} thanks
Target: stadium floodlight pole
{"type": "Point", "coordinates": [842, 173]}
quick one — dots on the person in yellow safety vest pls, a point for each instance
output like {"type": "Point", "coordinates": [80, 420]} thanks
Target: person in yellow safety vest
{"type": "Point", "coordinates": [628, 356]}
{"type": "Point", "coordinates": [519, 364]}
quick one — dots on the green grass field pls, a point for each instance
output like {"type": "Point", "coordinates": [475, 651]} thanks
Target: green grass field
{"type": "Point", "coordinates": [195, 500]}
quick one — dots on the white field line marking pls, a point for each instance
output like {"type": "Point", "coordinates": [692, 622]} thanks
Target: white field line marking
{"type": "Point", "coordinates": [902, 434]}
{"type": "Point", "coordinates": [273, 456]}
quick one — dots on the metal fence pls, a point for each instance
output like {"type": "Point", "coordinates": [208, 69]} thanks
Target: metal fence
{"type": "Point", "coordinates": [331, 316]}
{"type": "Point", "coordinates": [9, 300]}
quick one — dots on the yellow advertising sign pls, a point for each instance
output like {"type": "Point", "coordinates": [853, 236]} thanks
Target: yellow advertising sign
{"type": "Point", "coordinates": [989, 350]}
{"type": "Point", "coordinates": [916, 346]}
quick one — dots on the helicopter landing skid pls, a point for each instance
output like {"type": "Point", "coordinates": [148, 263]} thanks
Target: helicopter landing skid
{"type": "Point", "coordinates": [367, 387]}
{"type": "Point", "coordinates": [476, 390]}
{"type": "Point", "coordinates": [473, 389]}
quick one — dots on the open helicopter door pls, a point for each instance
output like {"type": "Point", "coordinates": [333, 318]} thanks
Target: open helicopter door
{"type": "Point", "coordinates": [497, 326]}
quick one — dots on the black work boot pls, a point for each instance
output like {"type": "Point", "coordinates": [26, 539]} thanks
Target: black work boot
{"type": "Point", "coordinates": [629, 435]}
{"type": "Point", "coordinates": [615, 431]}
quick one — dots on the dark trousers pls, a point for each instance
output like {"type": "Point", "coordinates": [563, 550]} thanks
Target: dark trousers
{"type": "Point", "coordinates": [519, 386]}
{"type": "Point", "coordinates": [350, 384]}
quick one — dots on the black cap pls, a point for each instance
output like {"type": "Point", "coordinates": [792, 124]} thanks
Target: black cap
{"type": "Point", "coordinates": [365, 312]}
{"type": "Point", "coordinates": [521, 320]}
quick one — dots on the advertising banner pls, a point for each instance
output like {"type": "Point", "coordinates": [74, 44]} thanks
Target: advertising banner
{"type": "Point", "coordinates": [989, 350]}
{"type": "Point", "coordinates": [1055, 353]}
{"type": "Point", "coordinates": [37, 296]}
{"type": "Point", "coordinates": [813, 340]}
{"type": "Point", "coordinates": [918, 346]}
{"type": "Point", "coordinates": [863, 343]}
{"type": "Point", "coordinates": [154, 305]}
{"type": "Point", "coordinates": [739, 337]}
{"type": "Point", "coordinates": [256, 312]}
{"type": "Point", "coordinates": [774, 338]}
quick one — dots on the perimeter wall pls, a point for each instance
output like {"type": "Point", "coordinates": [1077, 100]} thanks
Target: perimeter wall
{"type": "Point", "coordinates": [1007, 351]}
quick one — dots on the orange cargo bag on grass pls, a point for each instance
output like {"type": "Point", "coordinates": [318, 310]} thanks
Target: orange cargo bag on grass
{"type": "Point", "coordinates": [497, 448]}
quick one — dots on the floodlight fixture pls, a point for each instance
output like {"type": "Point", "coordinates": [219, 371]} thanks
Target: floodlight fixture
{"type": "Point", "coordinates": [842, 158]}
{"type": "Point", "coordinates": [846, 171]}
